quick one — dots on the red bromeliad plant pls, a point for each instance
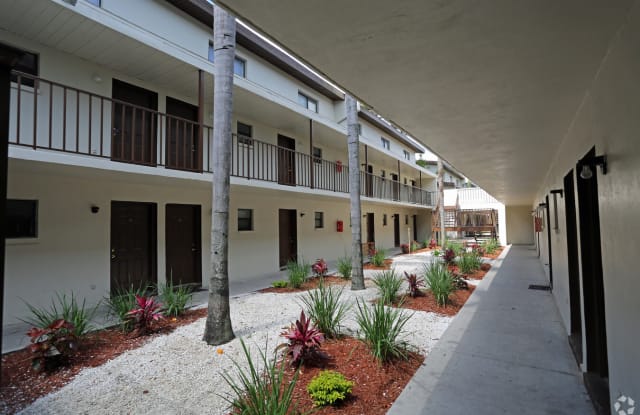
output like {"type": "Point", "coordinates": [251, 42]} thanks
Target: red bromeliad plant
{"type": "Point", "coordinates": [304, 339]}
{"type": "Point", "coordinates": [449, 256]}
{"type": "Point", "coordinates": [145, 313]}
{"type": "Point", "coordinates": [432, 244]}
{"type": "Point", "coordinates": [52, 344]}
{"type": "Point", "coordinates": [415, 283]}
{"type": "Point", "coordinates": [319, 268]}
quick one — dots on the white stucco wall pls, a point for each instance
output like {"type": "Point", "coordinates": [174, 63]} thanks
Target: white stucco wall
{"type": "Point", "coordinates": [608, 119]}
{"type": "Point", "coordinates": [519, 225]}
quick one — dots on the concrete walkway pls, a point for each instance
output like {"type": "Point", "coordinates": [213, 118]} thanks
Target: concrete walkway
{"type": "Point", "coordinates": [505, 353]}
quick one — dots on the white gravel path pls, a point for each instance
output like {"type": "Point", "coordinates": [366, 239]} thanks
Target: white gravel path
{"type": "Point", "coordinates": [179, 374]}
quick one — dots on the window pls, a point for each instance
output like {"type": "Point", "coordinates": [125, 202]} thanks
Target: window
{"type": "Point", "coordinates": [383, 174]}
{"type": "Point", "coordinates": [28, 64]}
{"type": "Point", "coordinates": [211, 55]}
{"type": "Point", "coordinates": [384, 219]}
{"type": "Point", "coordinates": [307, 102]}
{"type": "Point", "coordinates": [245, 219]}
{"type": "Point", "coordinates": [95, 2]}
{"type": "Point", "coordinates": [406, 219]}
{"type": "Point", "coordinates": [359, 129]}
{"type": "Point", "coordinates": [385, 143]}
{"type": "Point", "coordinates": [22, 218]}
{"type": "Point", "coordinates": [240, 67]}
{"type": "Point", "coordinates": [317, 155]}
{"type": "Point", "coordinates": [407, 155]}
{"type": "Point", "coordinates": [405, 180]}
{"type": "Point", "coordinates": [319, 220]}
{"type": "Point", "coordinates": [245, 133]}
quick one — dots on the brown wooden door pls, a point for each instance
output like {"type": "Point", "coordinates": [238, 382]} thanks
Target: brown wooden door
{"type": "Point", "coordinates": [133, 244]}
{"type": "Point", "coordinates": [396, 230]}
{"type": "Point", "coordinates": [371, 229]}
{"type": "Point", "coordinates": [288, 231]}
{"type": "Point", "coordinates": [183, 246]}
{"type": "Point", "coordinates": [369, 181]}
{"type": "Point", "coordinates": [133, 138]}
{"type": "Point", "coordinates": [415, 227]}
{"type": "Point", "coordinates": [183, 150]}
{"type": "Point", "coordinates": [286, 160]}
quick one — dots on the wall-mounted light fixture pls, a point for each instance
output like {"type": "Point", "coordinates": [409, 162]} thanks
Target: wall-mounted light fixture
{"type": "Point", "coordinates": [302, 214]}
{"type": "Point", "coordinates": [586, 172]}
{"type": "Point", "coordinates": [95, 208]}
{"type": "Point", "coordinates": [542, 205]}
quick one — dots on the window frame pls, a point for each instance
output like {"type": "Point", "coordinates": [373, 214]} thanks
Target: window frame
{"type": "Point", "coordinates": [243, 219]}
{"type": "Point", "coordinates": [304, 100]}
{"type": "Point", "coordinates": [317, 156]}
{"type": "Point", "coordinates": [318, 220]}
{"type": "Point", "coordinates": [33, 221]}
{"type": "Point", "coordinates": [237, 59]}
{"type": "Point", "coordinates": [244, 139]}
{"type": "Point", "coordinates": [407, 155]}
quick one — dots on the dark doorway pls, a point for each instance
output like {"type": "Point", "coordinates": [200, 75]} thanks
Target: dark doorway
{"type": "Point", "coordinates": [371, 228]}
{"type": "Point", "coordinates": [133, 138]}
{"type": "Point", "coordinates": [288, 236]}
{"type": "Point", "coordinates": [133, 245]}
{"type": "Point", "coordinates": [369, 181]}
{"type": "Point", "coordinates": [396, 230]}
{"type": "Point", "coordinates": [575, 338]}
{"type": "Point", "coordinates": [184, 254]}
{"type": "Point", "coordinates": [183, 148]}
{"type": "Point", "coordinates": [395, 187]}
{"type": "Point", "coordinates": [596, 378]}
{"type": "Point", "coordinates": [286, 160]}
{"type": "Point", "coordinates": [549, 257]}
{"type": "Point", "coordinates": [415, 228]}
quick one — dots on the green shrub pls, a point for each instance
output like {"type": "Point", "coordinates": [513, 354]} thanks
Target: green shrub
{"type": "Point", "coordinates": [381, 327]}
{"type": "Point", "coordinates": [457, 247]}
{"type": "Point", "coordinates": [378, 257]}
{"type": "Point", "coordinates": [122, 301]}
{"type": "Point", "coordinates": [439, 280]}
{"type": "Point", "coordinates": [345, 266]}
{"type": "Point", "coordinates": [62, 308]}
{"type": "Point", "coordinates": [174, 298]}
{"type": "Point", "coordinates": [297, 273]}
{"type": "Point", "coordinates": [415, 246]}
{"type": "Point", "coordinates": [260, 389]}
{"type": "Point", "coordinates": [279, 284]}
{"type": "Point", "coordinates": [329, 388]}
{"type": "Point", "coordinates": [388, 284]}
{"type": "Point", "coordinates": [326, 309]}
{"type": "Point", "coordinates": [469, 262]}
{"type": "Point", "coordinates": [490, 246]}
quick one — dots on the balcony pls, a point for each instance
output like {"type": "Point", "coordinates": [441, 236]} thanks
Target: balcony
{"type": "Point", "coordinates": [47, 115]}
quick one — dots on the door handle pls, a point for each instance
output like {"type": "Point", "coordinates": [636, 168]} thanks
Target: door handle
{"type": "Point", "coordinates": [113, 256]}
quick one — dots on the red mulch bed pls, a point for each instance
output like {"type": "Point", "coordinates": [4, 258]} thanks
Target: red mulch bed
{"type": "Point", "coordinates": [21, 385]}
{"type": "Point", "coordinates": [376, 386]}
{"type": "Point", "coordinates": [477, 275]}
{"type": "Point", "coordinates": [387, 265]}
{"type": "Point", "coordinates": [496, 253]}
{"type": "Point", "coordinates": [309, 284]}
{"type": "Point", "coordinates": [427, 302]}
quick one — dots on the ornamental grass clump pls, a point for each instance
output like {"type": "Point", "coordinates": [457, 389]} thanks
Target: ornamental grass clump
{"type": "Point", "coordinates": [490, 246]}
{"type": "Point", "coordinates": [345, 266]}
{"type": "Point", "coordinates": [381, 326]}
{"type": "Point", "coordinates": [469, 262]}
{"type": "Point", "coordinates": [440, 281]}
{"type": "Point", "coordinates": [120, 302]}
{"type": "Point", "coordinates": [297, 273]}
{"type": "Point", "coordinates": [174, 298]}
{"type": "Point", "coordinates": [63, 308]}
{"type": "Point", "coordinates": [329, 388]}
{"type": "Point", "coordinates": [378, 257]}
{"type": "Point", "coordinates": [326, 309]}
{"type": "Point", "coordinates": [388, 284]}
{"type": "Point", "coordinates": [260, 389]}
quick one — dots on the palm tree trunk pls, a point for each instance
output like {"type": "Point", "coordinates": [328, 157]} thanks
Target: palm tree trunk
{"type": "Point", "coordinates": [357, 278]}
{"type": "Point", "coordinates": [440, 184]}
{"type": "Point", "coordinates": [218, 328]}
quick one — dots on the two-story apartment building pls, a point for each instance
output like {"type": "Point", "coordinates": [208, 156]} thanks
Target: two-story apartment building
{"type": "Point", "coordinates": [110, 167]}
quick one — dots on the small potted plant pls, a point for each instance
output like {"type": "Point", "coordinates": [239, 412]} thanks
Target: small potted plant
{"type": "Point", "coordinates": [405, 248]}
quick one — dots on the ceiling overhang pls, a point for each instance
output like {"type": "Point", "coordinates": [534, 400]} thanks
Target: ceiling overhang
{"type": "Point", "coordinates": [490, 86]}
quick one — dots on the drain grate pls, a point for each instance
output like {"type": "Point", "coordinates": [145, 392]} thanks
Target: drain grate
{"type": "Point", "coordinates": [539, 287]}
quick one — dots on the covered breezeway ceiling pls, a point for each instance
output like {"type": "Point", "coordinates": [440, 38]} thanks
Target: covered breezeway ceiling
{"type": "Point", "coordinates": [491, 86]}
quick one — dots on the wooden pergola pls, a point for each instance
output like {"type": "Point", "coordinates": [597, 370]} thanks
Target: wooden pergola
{"type": "Point", "coordinates": [478, 222]}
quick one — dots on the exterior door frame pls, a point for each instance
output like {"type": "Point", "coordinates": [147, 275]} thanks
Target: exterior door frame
{"type": "Point", "coordinates": [286, 160]}
{"type": "Point", "coordinates": [575, 301]}
{"type": "Point", "coordinates": [288, 238]}
{"type": "Point", "coordinates": [396, 229]}
{"type": "Point", "coordinates": [195, 248]}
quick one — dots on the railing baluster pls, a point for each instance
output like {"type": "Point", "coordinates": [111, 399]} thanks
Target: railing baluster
{"type": "Point", "coordinates": [64, 119]}
{"type": "Point", "coordinates": [50, 114]}
{"type": "Point", "coordinates": [18, 111]}
{"type": "Point", "coordinates": [102, 125]}
{"type": "Point", "coordinates": [90, 118]}
{"type": "Point", "coordinates": [35, 114]}
{"type": "Point", "coordinates": [77, 121]}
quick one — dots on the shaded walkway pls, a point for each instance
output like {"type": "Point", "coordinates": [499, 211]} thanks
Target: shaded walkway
{"type": "Point", "coordinates": [505, 353]}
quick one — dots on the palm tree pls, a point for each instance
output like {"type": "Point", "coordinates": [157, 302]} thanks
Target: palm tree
{"type": "Point", "coordinates": [357, 278]}
{"type": "Point", "coordinates": [218, 328]}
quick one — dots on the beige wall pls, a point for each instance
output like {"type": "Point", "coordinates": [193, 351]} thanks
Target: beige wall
{"type": "Point", "coordinates": [608, 119]}
{"type": "Point", "coordinates": [519, 225]}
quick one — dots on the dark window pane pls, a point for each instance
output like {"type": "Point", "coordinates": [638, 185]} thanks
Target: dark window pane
{"type": "Point", "coordinates": [28, 64]}
{"type": "Point", "coordinates": [22, 218]}
{"type": "Point", "coordinates": [245, 219]}
{"type": "Point", "coordinates": [239, 67]}
{"type": "Point", "coordinates": [319, 220]}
